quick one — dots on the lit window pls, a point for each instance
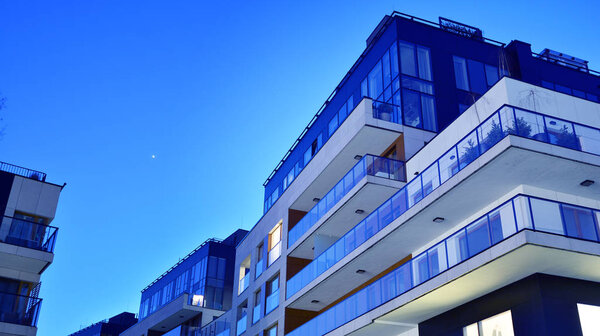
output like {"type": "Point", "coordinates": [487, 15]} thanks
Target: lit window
{"type": "Point", "coordinates": [497, 325]}
{"type": "Point", "coordinates": [589, 317]}
{"type": "Point", "coordinates": [275, 243]}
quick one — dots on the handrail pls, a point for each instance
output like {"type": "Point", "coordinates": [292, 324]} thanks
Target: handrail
{"type": "Point", "coordinates": [507, 120]}
{"type": "Point", "coordinates": [511, 217]}
{"type": "Point", "coordinates": [572, 66]}
{"type": "Point", "coordinates": [24, 310]}
{"type": "Point", "coordinates": [22, 171]}
{"type": "Point", "coordinates": [30, 234]}
{"type": "Point", "coordinates": [371, 165]}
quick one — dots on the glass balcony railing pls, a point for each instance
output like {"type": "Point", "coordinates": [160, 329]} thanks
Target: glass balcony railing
{"type": "Point", "coordinates": [241, 325]}
{"type": "Point", "coordinates": [518, 214]}
{"type": "Point", "coordinates": [28, 234]}
{"type": "Point", "coordinates": [368, 165]}
{"type": "Point", "coordinates": [244, 283]}
{"type": "Point", "coordinates": [274, 253]}
{"type": "Point", "coordinates": [506, 121]}
{"type": "Point", "coordinates": [18, 309]}
{"type": "Point", "coordinates": [256, 313]}
{"type": "Point", "coordinates": [258, 268]}
{"type": "Point", "coordinates": [272, 302]}
{"type": "Point", "coordinates": [21, 171]}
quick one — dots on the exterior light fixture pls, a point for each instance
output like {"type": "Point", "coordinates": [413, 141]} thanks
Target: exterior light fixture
{"type": "Point", "coordinates": [357, 157]}
{"type": "Point", "coordinates": [587, 183]}
{"type": "Point", "coordinates": [360, 271]}
{"type": "Point", "coordinates": [359, 211]}
{"type": "Point", "coordinates": [315, 301]}
{"type": "Point", "coordinates": [438, 219]}
{"type": "Point", "coordinates": [316, 199]}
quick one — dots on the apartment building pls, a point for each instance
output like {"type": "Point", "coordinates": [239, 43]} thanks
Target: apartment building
{"type": "Point", "coordinates": [28, 204]}
{"type": "Point", "coordinates": [192, 293]}
{"type": "Point", "coordinates": [448, 186]}
{"type": "Point", "coordinates": [109, 327]}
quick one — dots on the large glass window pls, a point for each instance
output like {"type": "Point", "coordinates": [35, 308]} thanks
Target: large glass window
{"type": "Point", "coordinates": [474, 76]}
{"type": "Point", "coordinates": [589, 318]}
{"type": "Point", "coordinates": [497, 325]}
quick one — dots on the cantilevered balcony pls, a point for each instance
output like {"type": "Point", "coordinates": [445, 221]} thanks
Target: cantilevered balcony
{"type": "Point", "coordinates": [365, 130]}
{"type": "Point", "coordinates": [172, 314]}
{"type": "Point", "coordinates": [346, 189]}
{"type": "Point", "coordinates": [504, 151]}
{"type": "Point", "coordinates": [519, 214]}
{"type": "Point", "coordinates": [26, 246]}
{"type": "Point", "coordinates": [18, 314]}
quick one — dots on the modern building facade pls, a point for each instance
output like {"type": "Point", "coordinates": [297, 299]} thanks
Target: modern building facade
{"type": "Point", "coordinates": [28, 204]}
{"type": "Point", "coordinates": [448, 186]}
{"type": "Point", "coordinates": [109, 327]}
{"type": "Point", "coordinates": [192, 293]}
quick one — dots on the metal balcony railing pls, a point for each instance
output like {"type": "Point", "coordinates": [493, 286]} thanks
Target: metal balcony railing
{"type": "Point", "coordinates": [20, 232]}
{"type": "Point", "coordinates": [22, 171]}
{"type": "Point", "coordinates": [505, 121]}
{"type": "Point", "coordinates": [517, 214]}
{"type": "Point", "coordinates": [19, 309]}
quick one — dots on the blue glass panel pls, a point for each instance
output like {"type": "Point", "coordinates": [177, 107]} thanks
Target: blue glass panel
{"type": "Point", "coordinates": [548, 85]}
{"type": "Point", "coordinates": [491, 74]}
{"type": "Point", "coordinates": [579, 94]}
{"type": "Point", "coordinates": [468, 150]}
{"type": "Point", "coordinates": [579, 222]}
{"type": "Point", "coordinates": [411, 105]}
{"type": "Point", "coordinates": [561, 133]}
{"type": "Point", "coordinates": [478, 236]}
{"type": "Point", "coordinates": [490, 133]}
{"type": "Point", "coordinates": [408, 65]}
{"type": "Point", "coordinates": [477, 80]}
{"type": "Point", "coordinates": [448, 164]}
{"type": "Point", "coordinates": [529, 125]}
{"type": "Point", "coordinates": [429, 115]}
{"type": "Point", "coordinates": [502, 223]}
{"type": "Point", "coordinates": [424, 62]}
{"type": "Point", "coordinates": [387, 72]}
{"type": "Point", "coordinates": [546, 216]}
{"type": "Point", "coordinates": [417, 85]}
{"type": "Point", "coordinates": [394, 60]}
{"type": "Point", "coordinates": [460, 73]}
{"type": "Point", "coordinates": [563, 89]}
{"type": "Point", "coordinates": [589, 139]}
{"type": "Point", "coordinates": [376, 81]}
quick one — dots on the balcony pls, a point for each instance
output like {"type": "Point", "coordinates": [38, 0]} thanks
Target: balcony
{"type": "Point", "coordinates": [26, 246]}
{"type": "Point", "coordinates": [21, 171]}
{"type": "Point", "coordinates": [272, 302]}
{"type": "Point", "coordinates": [244, 283]}
{"type": "Point", "coordinates": [368, 165]}
{"type": "Point", "coordinates": [28, 234]}
{"type": "Point", "coordinates": [274, 253]}
{"type": "Point", "coordinates": [258, 268]}
{"type": "Point", "coordinates": [241, 325]}
{"type": "Point", "coordinates": [518, 214]}
{"type": "Point", "coordinates": [18, 309]}
{"type": "Point", "coordinates": [170, 315]}
{"type": "Point", "coordinates": [361, 132]}
{"type": "Point", "coordinates": [511, 166]}
{"type": "Point", "coordinates": [256, 313]}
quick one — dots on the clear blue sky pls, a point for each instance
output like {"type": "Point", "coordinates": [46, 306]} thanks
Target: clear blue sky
{"type": "Point", "coordinates": [218, 91]}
